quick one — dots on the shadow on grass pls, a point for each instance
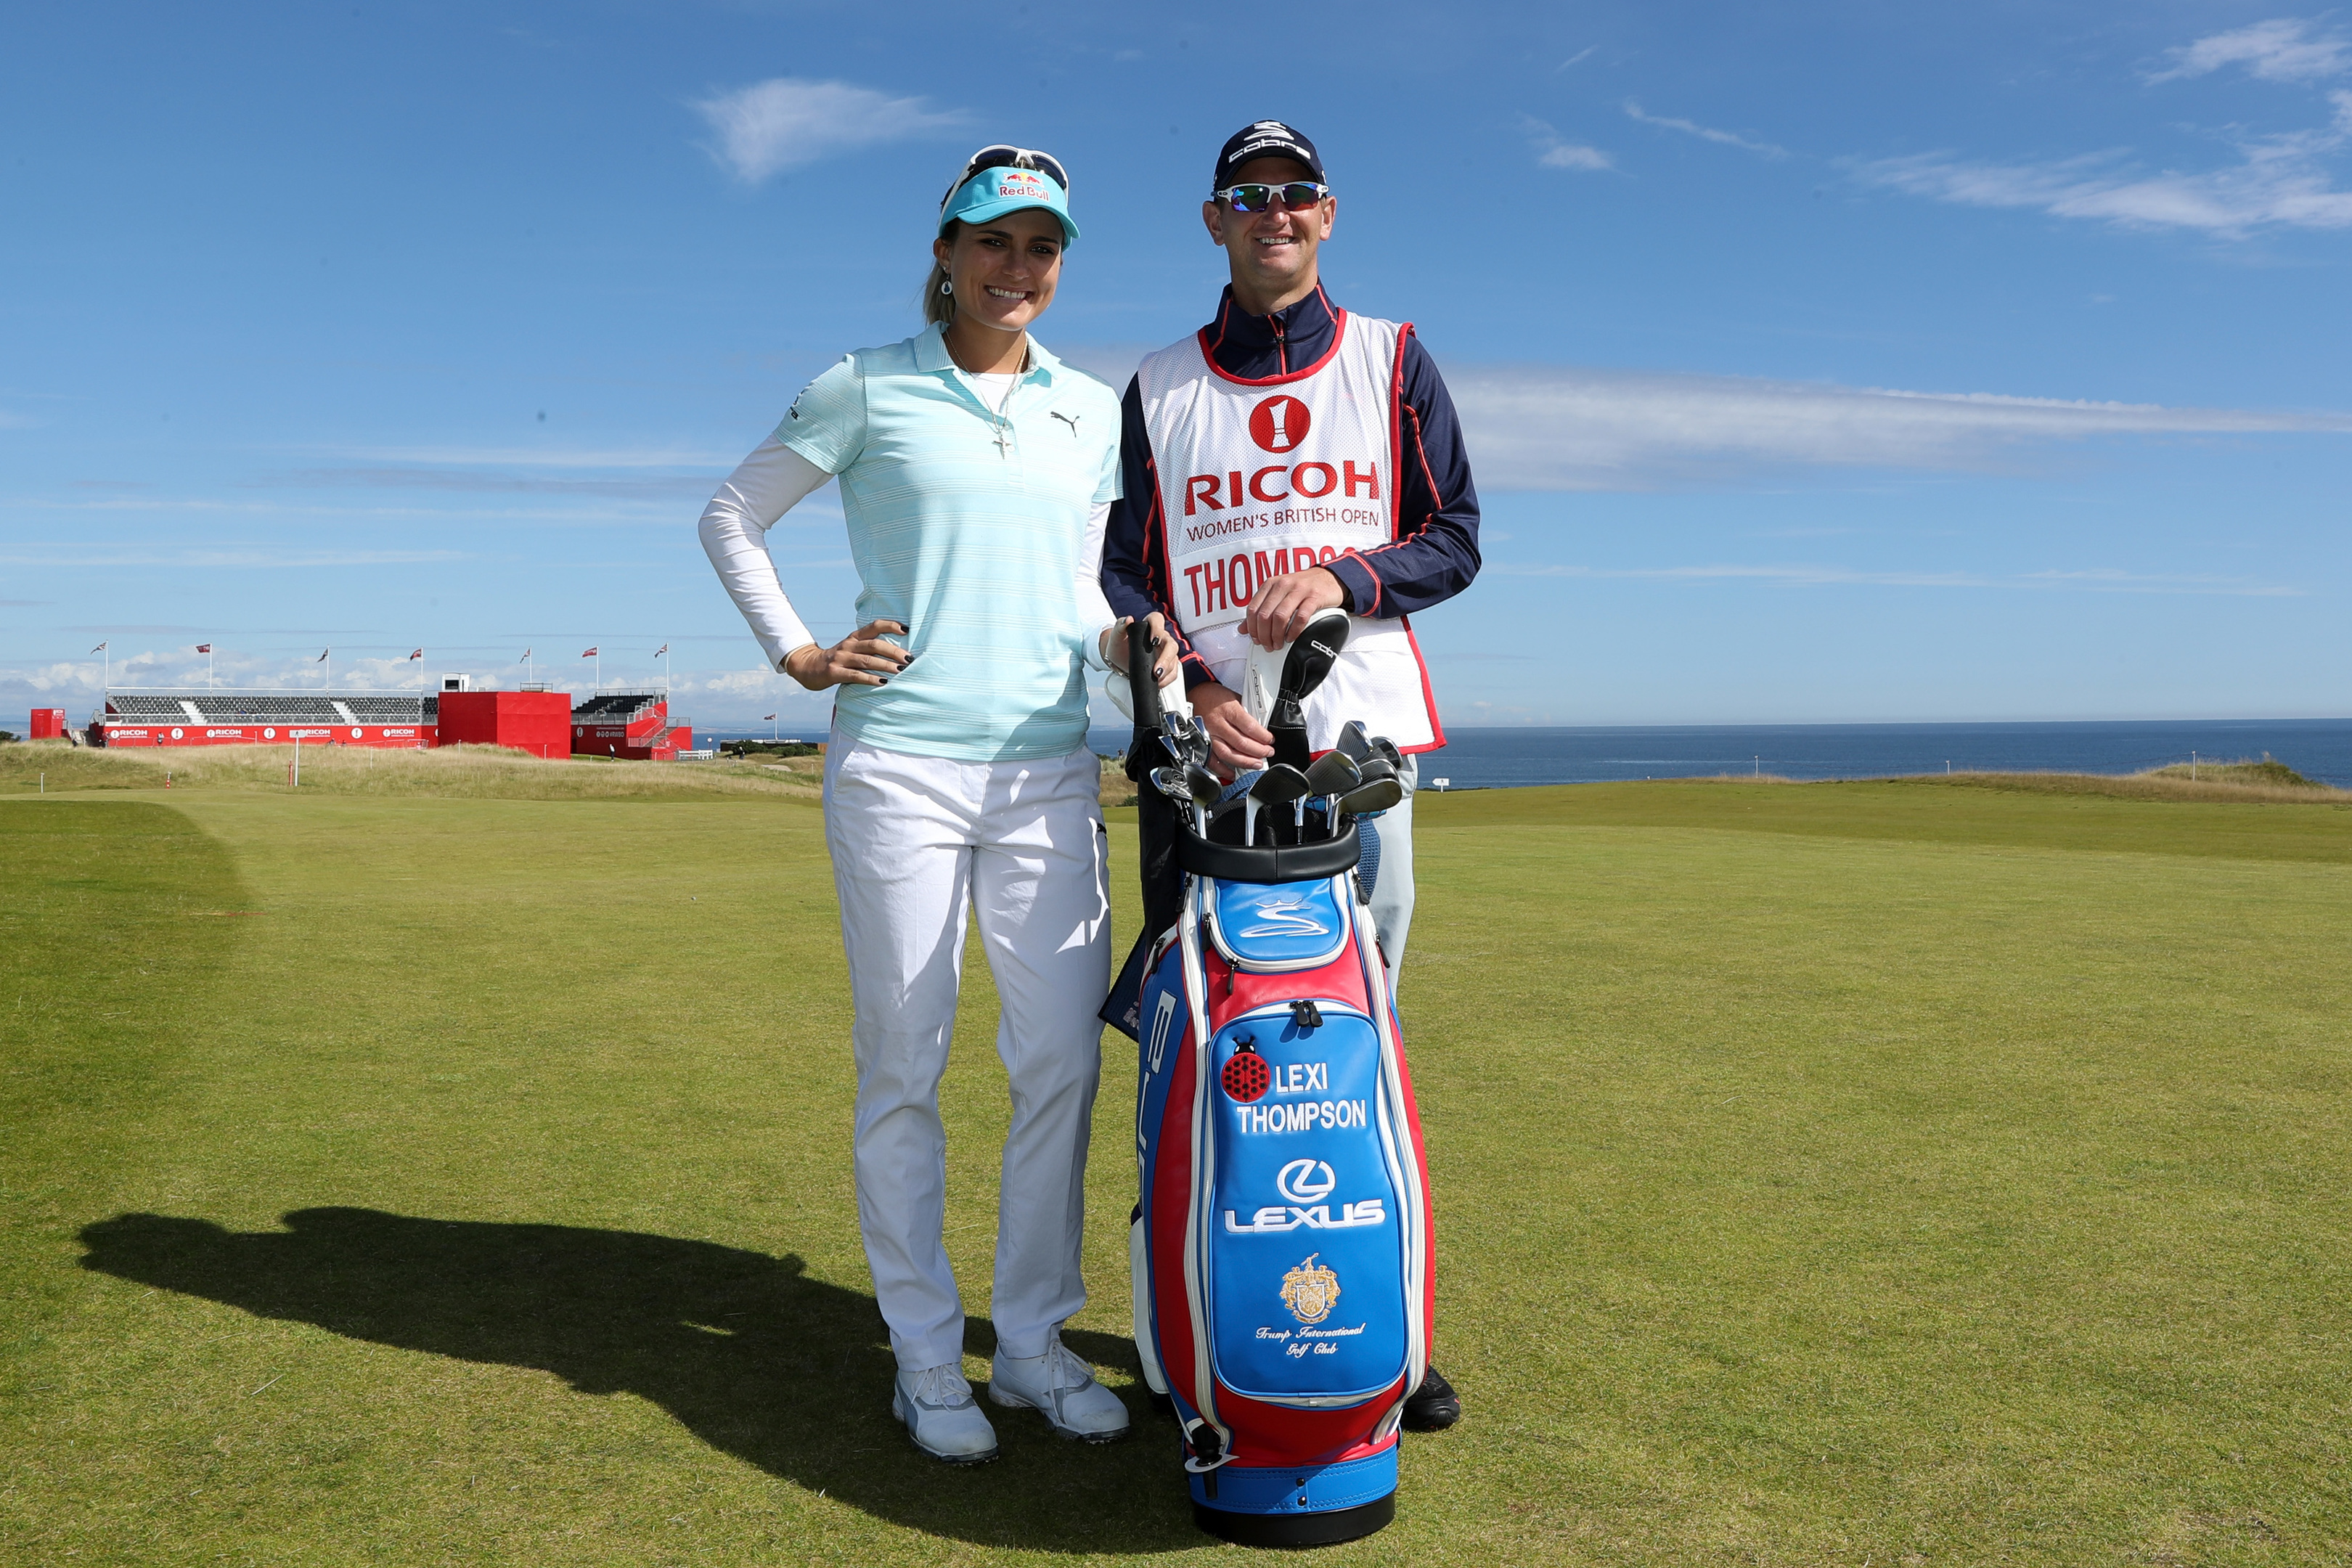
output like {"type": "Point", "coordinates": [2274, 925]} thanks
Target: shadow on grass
{"type": "Point", "coordinates": [752, 1356]}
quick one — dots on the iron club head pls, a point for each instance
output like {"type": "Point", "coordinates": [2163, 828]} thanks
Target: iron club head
{"type": "Point", "coordinates": [1378, 796]}
{"type": "Point", "coordinates": [1333, 772]}
{"type": "Point", "coordinates": [1277, 785]}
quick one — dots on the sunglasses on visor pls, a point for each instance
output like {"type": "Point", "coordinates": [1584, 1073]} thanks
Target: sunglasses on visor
{"type": "Point", "coordinates": [1001, 157]}
{"type": "Point", "coordinates": [1260, 198]}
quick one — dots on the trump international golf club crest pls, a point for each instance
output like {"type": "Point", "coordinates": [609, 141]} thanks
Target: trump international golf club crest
{"type": "Point", "coordinates": [1310, 1290]}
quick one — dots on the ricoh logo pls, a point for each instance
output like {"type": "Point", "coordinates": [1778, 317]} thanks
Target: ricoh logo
{"type": "Point", "coordinates": [1279, 482]}
{"type": "Point", "coordinates": [1279, 423]}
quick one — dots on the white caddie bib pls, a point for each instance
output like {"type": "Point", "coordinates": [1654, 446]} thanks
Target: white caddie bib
{"type": "Point", "coordinates": [1262, 478]}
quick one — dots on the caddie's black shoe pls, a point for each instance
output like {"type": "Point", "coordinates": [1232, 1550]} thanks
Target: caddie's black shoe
{"type": "Point", "coordinates": [1434, 1406]}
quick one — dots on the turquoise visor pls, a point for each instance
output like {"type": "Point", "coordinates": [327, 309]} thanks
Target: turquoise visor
{"type": "Point", "coordinates": [993, 193]}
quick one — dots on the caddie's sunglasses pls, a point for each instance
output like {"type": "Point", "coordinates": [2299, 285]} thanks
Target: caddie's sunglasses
{"type": "Point", "coordinates": [1260, 198]}
{"type": "Point", "coordinates": [1002, 157]}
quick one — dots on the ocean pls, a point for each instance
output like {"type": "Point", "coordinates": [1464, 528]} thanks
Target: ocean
{"type": "Point", "coordinates": [2320, 749]}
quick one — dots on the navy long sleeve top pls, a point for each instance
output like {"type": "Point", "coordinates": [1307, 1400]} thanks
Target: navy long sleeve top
{"type": "Point", "coordinates": [1436, 553]}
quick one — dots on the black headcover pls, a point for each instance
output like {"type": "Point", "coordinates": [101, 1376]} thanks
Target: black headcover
{"type": "Point", "coordinates": [1155, 835]}
{"type": "Point", "coordinates": [1309, 661]}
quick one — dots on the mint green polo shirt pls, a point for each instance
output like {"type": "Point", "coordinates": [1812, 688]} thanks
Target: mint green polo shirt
{"type": "Point", "coordinates": [971, 542]}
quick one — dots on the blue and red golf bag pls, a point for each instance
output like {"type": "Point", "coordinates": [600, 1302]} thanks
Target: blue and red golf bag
{"type": "Point", "coordinates": [1281, 1245]}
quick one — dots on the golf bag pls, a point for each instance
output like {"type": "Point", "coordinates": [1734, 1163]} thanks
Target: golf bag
{"type": "Point", "coordinates": [1281, 1247]}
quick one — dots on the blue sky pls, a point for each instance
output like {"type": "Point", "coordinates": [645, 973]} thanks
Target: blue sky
{"type": "Point", "coordinates": [1820, 363]}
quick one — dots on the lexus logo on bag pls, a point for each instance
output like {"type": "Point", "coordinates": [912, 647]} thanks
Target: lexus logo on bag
{"type": "Point", "coordinates": [1279, 423]}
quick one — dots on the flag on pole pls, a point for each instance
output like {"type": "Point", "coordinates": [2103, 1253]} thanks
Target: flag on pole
{"type": "Point", "coordinates": [323, 656]}
{"type": "Point", "coordinates": [99, 648]}
{"type": "Point", "coordinates": [204, 648]}
{"type": "Point", "coordinates": [526, 653]}
{"type": "Point", "coordinates": [661, 651]}
{"type": "Point", "coordinates": [418, 654]}
{"type": "Point", "coordinates": [589, 654]}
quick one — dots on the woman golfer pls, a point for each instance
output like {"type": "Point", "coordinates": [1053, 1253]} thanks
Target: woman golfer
{"type": "Point", "coordinates": [976, 470]}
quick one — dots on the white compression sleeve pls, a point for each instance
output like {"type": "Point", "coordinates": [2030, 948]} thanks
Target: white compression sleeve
{"type": "Point", "coordinates": [1094, 610]}
{"type": "Point", "coordinates": [768, 483]}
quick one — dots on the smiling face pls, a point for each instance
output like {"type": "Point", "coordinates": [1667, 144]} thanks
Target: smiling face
{"type": "Point", "coordinates": [1004, 269]}
{"type": "Point", "coordinates": [1271, 253]}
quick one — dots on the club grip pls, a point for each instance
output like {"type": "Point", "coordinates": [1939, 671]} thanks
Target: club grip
{"type": "Point", "coordinates": [1144, 689]}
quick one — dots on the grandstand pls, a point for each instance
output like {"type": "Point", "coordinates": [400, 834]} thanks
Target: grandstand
{"type": "Point", "coordinates": [619, 721]}
{"type": "Point", "coordinates": [213, 717]}
{"type": "Point", "coordinates": [629, 721]}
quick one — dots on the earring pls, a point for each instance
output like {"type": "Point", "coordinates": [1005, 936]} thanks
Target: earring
{"type": "Point", "coordinates": [947, 286]}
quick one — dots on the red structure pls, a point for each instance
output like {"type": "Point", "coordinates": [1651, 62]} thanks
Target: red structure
{"type": "Point", "coordinates": [401, 721]}
{"type": "Point", "coordinates": [611, 723]}
{"type": "Point", "coordinates": [48, 724]}
{"type": "Point", "coordinates": [633, 723]}
{"type": "Point", "coordinates": [539, 722]}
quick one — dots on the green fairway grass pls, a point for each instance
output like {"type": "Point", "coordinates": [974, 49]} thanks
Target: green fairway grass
{"type": "Point", "coordinates": [1888, 1172]}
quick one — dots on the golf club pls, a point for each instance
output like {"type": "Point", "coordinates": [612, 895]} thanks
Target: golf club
{"type": "Point", "coordinates": [1278, 785]}
{"type": "Point", "coordinates": [1333, 773]}
{"type": "Point", "coordinates": [1276, 681]}
{"type": "Point", "coordinates": [1353, 743]}
{"type": "Point", "coordinates": [1378, 796]}
{"type": "Point", "coordinates": [1206, 790]}
{"type": "Point", "coordinates": [1174, 784]}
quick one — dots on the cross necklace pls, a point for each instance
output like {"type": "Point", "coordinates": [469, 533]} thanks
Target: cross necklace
{"type": "Point", "coordinates": [1001, 415]}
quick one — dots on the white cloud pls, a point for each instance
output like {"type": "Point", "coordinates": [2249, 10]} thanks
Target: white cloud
{"type": "Point", "coordinates": [1553, 152]}
{"type": "Point", "coordinates": [770, 124]}
{"type": "Point", "coordinates": [255, 557]}
{"type": "Point", "coordinates": [2280, 181]}
{"type": "Point", "coordinates": [2097, 581]}
{"type": "Point", "coordinates": [547, 458]}
{"type": "Point", "coordinates": [1540, 427]}
{"type": "Point", "coordinates": [2282, 50]}
{"type": "Point", "coordinates": [753, 682]}
{"type": "Point", "coordinates": [1705, 133]}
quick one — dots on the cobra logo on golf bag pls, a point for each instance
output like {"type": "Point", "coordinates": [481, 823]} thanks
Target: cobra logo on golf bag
{"type": "Point", "coordinates": [1285, 915]}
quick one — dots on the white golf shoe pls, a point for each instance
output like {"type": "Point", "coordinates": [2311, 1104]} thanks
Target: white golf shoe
{"type": "Point", "coordinates": [1058, 1386]}
{"type": "Point", "coordinates": [942, 1416]}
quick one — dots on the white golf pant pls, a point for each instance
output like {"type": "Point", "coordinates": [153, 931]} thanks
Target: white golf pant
{"type": "Point", "coordinates": [1392, 888]}
{"type": "Point", "coordinates": [914, 840]}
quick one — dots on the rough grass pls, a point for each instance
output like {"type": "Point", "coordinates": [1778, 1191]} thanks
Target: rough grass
{"type": "Point", "coordinates": [464, 772]}
{"type": "Point", "coordinates": [1832, 1174]}
{"type": "Point", "coordinates": [2240, 780]}
{"type": "Point", "coordinates": [480, 772]}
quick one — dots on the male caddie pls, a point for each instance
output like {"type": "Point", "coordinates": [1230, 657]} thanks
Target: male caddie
{"type": "Point", "coordinates": [1288, 458]}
